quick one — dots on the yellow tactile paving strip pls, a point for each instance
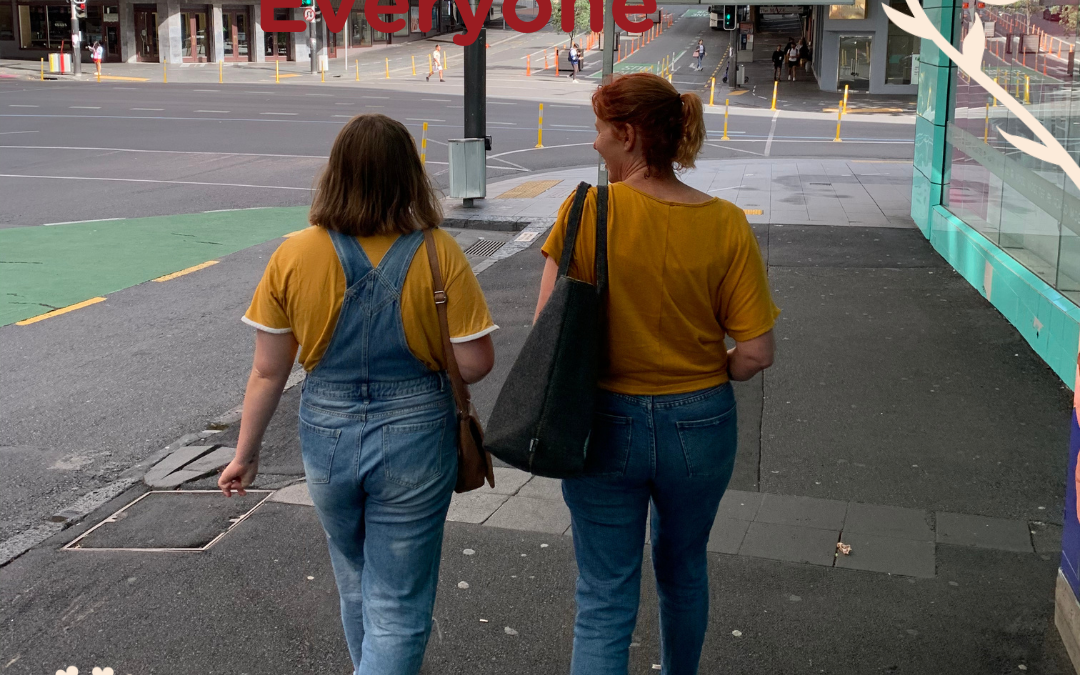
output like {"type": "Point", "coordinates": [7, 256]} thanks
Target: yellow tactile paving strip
{"type": "Point", "coordinates": [530, 189]}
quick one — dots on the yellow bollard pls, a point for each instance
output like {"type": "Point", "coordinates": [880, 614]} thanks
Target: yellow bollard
{"type": "Point", "coordinates": [540, 128]}
{"type": "Point", "coordinates": [1027, 89]}
{"type": "Point", "coordinates": [423, 146]}
{"type": "Point", "coordinates": [1016, 87]}
{"type": "Point", "coordinates": [43, 69]}
{"type": "Point", "coordinates": [775, 84]}
{"type": "Point", "coordinates": [277, 73]}
{"type": "Point", "coordinates": [98, 75]}
{"type": "Point", "coordinates": [414, 65]}
{"type": "Point", "coordinates": [995, 98]}
{"type": "Point", "coordinates": [712, 90]}
{"type": "Point", "coordinates": [845, 98]}
{"type": "Point", "coordinates": [986, 127]}
{"type": "Point", "coordinates": [164, 70]}
{"type": "Point", "coordinates": [220, 72]}
{"type": "Point", "coordinates": [839, 115]}
{"type": "Point", "coordinates": [322, 75]}
{"type": "Point", "coordinates": [357, 70]}
{"type": "Point", "coordinates": [388, 69]}
{"type": "Point", "coordinates": [429, 69]}
{"type": "Point", "coordinates": [725, 136]}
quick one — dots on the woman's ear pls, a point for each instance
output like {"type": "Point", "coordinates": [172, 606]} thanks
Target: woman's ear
{"type": "Point", "coordinates": [629, 137]}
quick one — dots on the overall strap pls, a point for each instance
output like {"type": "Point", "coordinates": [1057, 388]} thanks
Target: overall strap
{"type": "Point", "coordinates": [573, 224]}
{"type": "Point", "coordinates": [461, 391]}
{"type": "Point", "coordinates": [354, 261]}
{"type": "Point", "coordinates": [394, 266]}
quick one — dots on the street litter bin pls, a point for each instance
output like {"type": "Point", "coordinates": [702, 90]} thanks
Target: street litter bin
{"type": "Point", "coordinates": [468, 168]}
{"type": "Point", "coordinates": [740, 75]}
{"type": "Point", "coordinates": [59, 63]}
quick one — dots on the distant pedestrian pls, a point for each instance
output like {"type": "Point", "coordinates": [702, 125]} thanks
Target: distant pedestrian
{"type": "Point", "coordinates": [575, 52]}
{"type": "Point", "coordinates": [683, 273]}
{"type": "Point", "coordinates": [97, 52]}
{"type": "Point", "coordinates": [805, 55]}
{"type": "Point", "coordinates": [378, 421]}
{"type": "Point", "coordinates": [792, 61]}
{"type": "Point", "coordinates": [699, 54]}
{"type": "Point", "coordinates": [436, 63]}
{"type": "Point", "coordinates": [778, 61]}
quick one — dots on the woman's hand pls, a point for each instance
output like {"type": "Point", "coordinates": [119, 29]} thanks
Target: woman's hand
{"type": "Point", "coordinates": [238, 475]}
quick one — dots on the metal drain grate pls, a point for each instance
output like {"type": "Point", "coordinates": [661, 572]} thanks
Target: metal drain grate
{"type": "Point", "coordinates": [180, 520]}
{"type": "Point", "coordinates": [484, 247]}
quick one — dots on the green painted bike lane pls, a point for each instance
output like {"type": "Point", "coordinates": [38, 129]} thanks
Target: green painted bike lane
{"type": "Point", "coordinates": [48, 267]}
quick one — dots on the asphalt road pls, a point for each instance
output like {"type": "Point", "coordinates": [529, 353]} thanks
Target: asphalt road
{"type": "Point", "coordinates": [86, 395]}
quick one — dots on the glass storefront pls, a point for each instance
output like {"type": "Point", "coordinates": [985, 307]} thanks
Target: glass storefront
{"type": "Point", "coordinates": [44, 26]}
{"type": "Point", "coordinates": [194, 45]}
{"type": "Point", "coordinates": [901, 51]}
{"type": "Point", "coordinates": [276, 45]}
{"type": "Point", "coordinates": [1025, 206]}
{"type": "Point", "coordinates": [853, 66]}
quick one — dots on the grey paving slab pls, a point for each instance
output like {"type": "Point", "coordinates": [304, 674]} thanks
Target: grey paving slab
{"type": "Point", "coordinates": [474, 507]}
{"type": "Point", "coordinates": [791, 543]}
{"type": "Point", "coordinates": [174, 479]}
{"type": "Point", "coordinates": [213, 460]}
{"type": "Point", "coordinates": [727, 535]}
{"type": "Point", "coordinates": [739, 505]}
{"type": "Point", "coordinates": [825, 514]}
{"type": "Point", "coordinates": [508, 480]}
{"type": "Point", "coordinates": [889, 555]}
{"type": "Point", "coordinates": [888, 521]}
{"type": "Point", "coordinates": [997, 533]}
{"type": "Point", "coordinates": [542, 488]}
{"type": "Point", "coordinates": [529, 513]}
{"type": "Point", "coordinates": [294, 494]}
{"type": "Point", "coordinates": [174, 461]}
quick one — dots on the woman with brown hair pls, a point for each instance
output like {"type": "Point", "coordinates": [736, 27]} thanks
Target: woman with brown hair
{"type": "Point", "coordinates": [684, 272]}
{"type": "Point", "coordinates": [378, 425]}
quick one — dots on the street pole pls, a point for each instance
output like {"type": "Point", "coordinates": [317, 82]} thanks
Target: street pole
{"type": "Point", "coordinates": [734, 84]}
{"type": "Point", "coordinates": [476, 90]}
{"type": "Point", "coordinates": [76, 42]}
{"type": "Point", "coordinates": [311, 44]}
{"type": "Point", "coordinates": [607, 48]}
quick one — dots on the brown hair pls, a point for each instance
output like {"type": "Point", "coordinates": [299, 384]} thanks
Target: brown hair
{"type": "Point", "coordinates": [374, 182]}
{"type": "Point", "coordinates": [671, 127]}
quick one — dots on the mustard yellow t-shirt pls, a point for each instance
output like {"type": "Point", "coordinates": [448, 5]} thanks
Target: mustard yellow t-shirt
{"type": "Point", "coordinates": [680, 277]}
{"type": "Point", "coordinates": [304, 285]}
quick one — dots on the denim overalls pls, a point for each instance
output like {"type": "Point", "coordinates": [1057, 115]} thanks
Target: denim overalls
{"type": "Point", "coordinates": [378, 435]}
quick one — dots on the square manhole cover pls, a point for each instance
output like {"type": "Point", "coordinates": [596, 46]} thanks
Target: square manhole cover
{"type": "Point", "coordinates": [171, 520]}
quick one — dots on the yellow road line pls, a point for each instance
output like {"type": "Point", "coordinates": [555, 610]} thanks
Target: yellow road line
{"type": "Point", "coordinates": [125, 79]}
{"type": "Point", "coordinates": [529, 189]}
{"type": "Point", "coordinates": [852, 111]}
{"type": "Point", "coordinates": [753, 212]}
{"type": "Point", "coordinates": [284, 75]}
{"type": "Point", "coordinates": [189, 270]}
{"type": "Point", "coordinates": [880, 161]}
{"type": "Point", "coordinates": [738, 92]}
{"type": "Point", "coordinates": [58, 312]}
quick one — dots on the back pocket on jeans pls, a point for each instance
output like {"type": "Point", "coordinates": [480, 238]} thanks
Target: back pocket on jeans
{"type": "Point", "coordinates": [608, 450]}
{"type": "Point", "coordinates": [412, 453]}
{"type": "Point", "coordinates": [317, 445]}
{"type": "Point", "coordinates": [709, 445]}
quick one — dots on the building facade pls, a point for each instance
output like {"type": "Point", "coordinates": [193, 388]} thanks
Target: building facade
{"type": "Point", "coordinates": [856, 45]}
{"type": "Point", "coordinates": [179, 32]}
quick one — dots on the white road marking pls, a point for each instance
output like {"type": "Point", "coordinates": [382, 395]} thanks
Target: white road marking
{"type": "Point", "coordinates": [221, 112]}
{"type": "Point", "coordinates": [416, 119]}
{"type": "Point", "coordinates": [546, 147]}
{"type": "Point", "coordinates": [724, 147]}
{"type": "Point", "coordinates": [17, 132]}
{"type": "Point", "coordinates": [772, 131]}
{"type": "Point", "coordinates": [167, 152]}
{"type": "Point", "coordinates": [436, 100]}
{"type": "Point", "coordinates": [505, 124]}
{"type": "Point", "coordinates": [76, 222]}
{"type": "Point", "coordinates": [383, 97]}
{"type": "Point", "coordinates": [499, 103]}
{"type": "Point", "coordinates": [278, 113]}
{"type": "Point", "coordinates": [149, 180]}
{"type": "Point", "coordinates": [19, 105]}
{"type": "Point", "coordinates": [84, 107]}
{"type": "Point", "coordinates": [150, 109]}
{"type": "Point", "coordinates": [211, 91]}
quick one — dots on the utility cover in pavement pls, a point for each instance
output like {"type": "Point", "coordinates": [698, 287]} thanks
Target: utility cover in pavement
{"type": "Point", "coordinates": [180, 520]}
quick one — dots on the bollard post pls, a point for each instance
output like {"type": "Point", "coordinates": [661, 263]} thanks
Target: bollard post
{"type": "Point", "coordinates": [1027, 89]}
{"type": "Point", "coordinates": [986, 127]}
{"type": "Point", "coordinates": [429, 70]}
{"type": "Point", "coordinates": [164, 70]}
{"type": "Point", "coordinates": [388, 69]}
{"type": "Point", "coordinates": [423, 146]}
{"type": "Point", "coordinates": [277, 73]}
{"type": "Point", "coordinates": [357, 70]}
{"type": "Point", "coordinates": [725, 136]}
{"type": "Point", "coordinates": [540, 128]}
{"type": "Point", "coordinates": [528, 66]}
{"type": "Point", "coordinates": [220, 72]}
{"type": "Point", "coordinates": [556, 62]}
{"type": "Point", "coordinates": [545, 60]}
{"type": "Point", "coordinates": [43, 69]}
{"type": "Point", "coordinates": [322, 75]}
{"type": "Point", "coordinates": [995, 98]}
{"type": "Point", "coordinates": [712, 90]}
{"type": "Point", "coordinates": [845, 97]}
{"type": "Point", "coordinates": [414, 65]}
{"type": "Point", "coordinates": [839, 116]}
{"type": "Point", "coordinates": [775, 84]}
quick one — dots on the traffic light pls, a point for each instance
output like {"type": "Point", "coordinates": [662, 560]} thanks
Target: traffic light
{"type": "Point", "coordinates": [80, 9]}
{"type": "Point", "coordinates": [730, 22]}
{"type": "Point", "coordinates": [306, 3]}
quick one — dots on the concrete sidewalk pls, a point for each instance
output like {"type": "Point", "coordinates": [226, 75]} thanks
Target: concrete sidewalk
{"type": "Point", "coordinates": [904, 416]}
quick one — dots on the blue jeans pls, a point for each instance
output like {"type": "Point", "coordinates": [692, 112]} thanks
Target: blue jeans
{"type": "Point", "coordinates": [381, 469]}
{"type": "Point", "coordinates": [677, 452]}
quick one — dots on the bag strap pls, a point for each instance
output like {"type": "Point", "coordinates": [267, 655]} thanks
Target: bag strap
{"type": "Point", "coordinates": [601, 239]}
{"type": "Point", "coordinates": [461, 393]}
{"type": "Point", "coordinates": [573, 224]}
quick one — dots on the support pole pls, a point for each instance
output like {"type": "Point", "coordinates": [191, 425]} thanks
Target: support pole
{"type": "Point", "coordinates": [845, 97]}
{"type": "Point", "coordinates": [388, 69]}
{"type": "Point", "coordinates": [607, 51]}
{"type": "Point", "coordinates": [423, 146]}
{"type": "Point", "coordinates": [277, 73]}
{"type": "Point", "coordinates": [839, 116]}
{"type": "Point", "coordinates": [475, 99]}
{"type": "Point", "coordinates": [725, 136]}
{"type": "Point", "coordinates": [164, 70]}
{"type": "Point", "coordinates": [414, 65]}
{"type": "Point", "coordinates": [311, 43]}
{"type": "Point", "coordinates": [712, 90]}
{"type": "Point", "coordinates": [42, 69]}
{"type": "Point", "coordinates": [540, 128]}
{"type": "Point", "coordinates": [76, 43]}
{"type": "Point", "coordinates": [775, 84]}
{"type": "Point", "coordinates": [986, 127]}
{"type": "Point", "coordinates": [220, 73]}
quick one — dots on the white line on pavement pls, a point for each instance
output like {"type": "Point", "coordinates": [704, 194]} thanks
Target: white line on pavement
{"type": "Point", "coordinates": [772, 132]}
{"type": "Point", "coordinates": [724, 147]}
{"type": "Point", "coordinates": [77, 222]}
{"type": "Point", "coordinates": [167, 152]}
{"type": "Point", "coordinates": [149, 180]}
{"type": "Point", "coordinates": [205, 91]}
{"type": "Point", "coordinates": [84, 107]}
{"type": "Point", "coordinates": [505, 124]}
{"type": "Point", "coordinates": [436, 100]}
{"type": "Point", "coordinates": [546, 147]}
{"type": "Point", "coordinates": [419, 119]}
{"type": "Point", "coordinates": [150, 109]}
{"type": "Point", "coordinates": [213, 111]}
{"type": "Point", "coordinates": [278, 113]}
{"type": "Point", "coordinates": [19, 105]}
{"type": "Point", "coordinates": [17, 132]}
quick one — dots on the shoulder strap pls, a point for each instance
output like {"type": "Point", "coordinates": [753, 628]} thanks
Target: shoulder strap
{"type": "Point", "coordinates": [573, 224]}
{"type": "Point", "coordinates": [461, 392]}
{"type": "Point", "coordinates": [601, 239]}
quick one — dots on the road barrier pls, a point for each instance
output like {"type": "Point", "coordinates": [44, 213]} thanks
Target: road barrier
{"type": "Point", "coordinates": [423, 146]}
{"type": "Point", "coordinates": [725, 136]}
{"type": "Point", "coordinates": [775, 84]}
{"type": "Point", "coordinates": [839, 116]}
{"type": "Point", "coordinates": [540, 128]}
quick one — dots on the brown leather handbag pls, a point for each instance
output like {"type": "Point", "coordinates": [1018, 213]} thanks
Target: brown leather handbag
{"type": "Point", "coordinates": [474, 462]}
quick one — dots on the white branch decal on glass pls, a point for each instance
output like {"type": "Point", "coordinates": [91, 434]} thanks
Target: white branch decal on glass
{"type": "Point", "coordinates": [970, 61]}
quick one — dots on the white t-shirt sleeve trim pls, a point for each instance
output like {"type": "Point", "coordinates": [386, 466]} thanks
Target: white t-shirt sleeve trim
{"type": "Point", "coordinates": [474, 336]}
{"type": "Point", "coordinates": [265, 329]}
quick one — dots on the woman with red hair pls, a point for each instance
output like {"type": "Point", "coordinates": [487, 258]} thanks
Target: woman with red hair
{"type": "Point", "coordinates": [684, 273]}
